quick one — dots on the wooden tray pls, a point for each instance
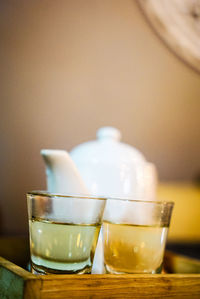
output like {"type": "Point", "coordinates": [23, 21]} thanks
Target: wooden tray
{"type": "Point", "coordinates": [16, 282]}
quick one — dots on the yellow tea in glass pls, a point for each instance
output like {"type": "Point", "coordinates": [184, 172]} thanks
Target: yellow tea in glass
{"type": "Point", "coordinates": [134, 234]}
{"type": "Point", "coordinates": [63, 232]}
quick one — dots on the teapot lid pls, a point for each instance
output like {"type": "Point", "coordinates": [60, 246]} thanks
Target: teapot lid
{"type": "Point", "coordinates": [108, 132]}
{"type": "Point", "coordinates": [107, 147]}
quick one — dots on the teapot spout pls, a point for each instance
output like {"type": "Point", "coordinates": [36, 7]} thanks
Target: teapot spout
{"type": "Point", "coordinates": [61, 173]}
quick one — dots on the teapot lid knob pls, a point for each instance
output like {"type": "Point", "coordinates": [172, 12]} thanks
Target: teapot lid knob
{"type": "Point", "coordinates": [109, 133]}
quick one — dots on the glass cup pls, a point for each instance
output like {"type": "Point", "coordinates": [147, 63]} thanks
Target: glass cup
{"type": "Point", "coordinates": [63, 232]}
{"type": "Point", "coordinates": [134, 235]}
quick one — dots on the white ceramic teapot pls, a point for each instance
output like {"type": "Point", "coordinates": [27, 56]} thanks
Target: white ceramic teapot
{"type": "Point", "coordinates": [103, 167]}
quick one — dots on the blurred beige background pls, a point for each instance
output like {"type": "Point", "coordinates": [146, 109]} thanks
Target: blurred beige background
{"type": "Point", "coordinates": [69, 67]}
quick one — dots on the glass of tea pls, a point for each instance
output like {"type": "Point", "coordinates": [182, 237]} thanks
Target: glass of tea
{"type": "Point", "coordinates": [63, 232]}
{"type": "Point", "coordinates": [134, 235]}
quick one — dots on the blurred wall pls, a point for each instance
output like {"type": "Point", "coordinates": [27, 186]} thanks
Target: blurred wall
{"type": "Point", "coordinates": [69, 67]}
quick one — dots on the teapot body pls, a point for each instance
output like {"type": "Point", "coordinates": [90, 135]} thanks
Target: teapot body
{"type": "Point", "coordinates": [111, 168]}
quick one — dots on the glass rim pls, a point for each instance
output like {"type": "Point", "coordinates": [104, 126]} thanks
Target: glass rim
{"type": "Point", "coordinates": [52, 194]}
{"type": "Point", "coordinates": [84, 196]}
{"type": "Point", "coordinates": [141, 200]}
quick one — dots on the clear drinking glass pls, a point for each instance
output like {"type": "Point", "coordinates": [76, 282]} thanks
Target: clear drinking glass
{"type": "Point", "coordinates": [134, 235]}
{"type": "Point", "coordinates": [63, 232]}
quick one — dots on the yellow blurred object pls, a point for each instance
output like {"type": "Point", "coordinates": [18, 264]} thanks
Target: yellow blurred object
{"type": "Point", "coordinates": [185, 222]}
